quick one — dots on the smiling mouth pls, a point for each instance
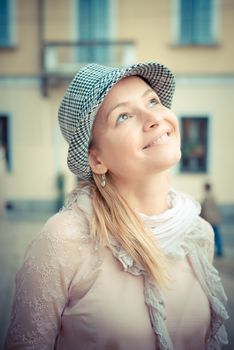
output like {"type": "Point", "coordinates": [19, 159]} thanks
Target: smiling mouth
{"type": "Point", "coordinates": [159, 140]}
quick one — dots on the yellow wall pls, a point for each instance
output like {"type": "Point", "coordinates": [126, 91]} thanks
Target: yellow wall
{"type": "Point", "coordinates": [36, 143]}
{"type": "Point", "coordinates": [58, 15]}
{"type": "Point", "coordinates": [23, 58]}
{"type": "Point", "coordinates": [150, 24]}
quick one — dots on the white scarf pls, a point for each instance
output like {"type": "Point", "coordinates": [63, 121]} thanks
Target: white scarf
{"type": "Point", "coordinates": [170, 227]}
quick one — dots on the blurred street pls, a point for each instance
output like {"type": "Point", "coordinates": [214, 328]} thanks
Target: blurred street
{"type": "Point", "coordinates": [16, 234]}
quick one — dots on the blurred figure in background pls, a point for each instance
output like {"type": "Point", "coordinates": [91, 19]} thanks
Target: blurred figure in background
{"type": "Point", "coordinates": [210, 212]}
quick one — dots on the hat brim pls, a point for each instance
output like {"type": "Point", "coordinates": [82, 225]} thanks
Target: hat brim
{"type": "Point", "coordinates": [158, 77]}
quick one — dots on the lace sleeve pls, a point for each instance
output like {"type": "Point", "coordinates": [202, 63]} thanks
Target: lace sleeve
{"type": "Point", "coordinates": [42, 284]}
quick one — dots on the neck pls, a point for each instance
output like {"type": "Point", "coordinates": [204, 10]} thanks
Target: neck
{"type": "Point", "coordinates": [146, 196]}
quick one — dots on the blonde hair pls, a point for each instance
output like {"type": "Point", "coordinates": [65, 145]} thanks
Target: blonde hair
{"type": "Point", "coordinates": [112, 215]}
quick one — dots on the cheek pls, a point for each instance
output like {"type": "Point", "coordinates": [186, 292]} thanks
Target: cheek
{"type": "Point", "coordinates": [125, 139]}
{"type": "Point", "coordinates": [117, 147]}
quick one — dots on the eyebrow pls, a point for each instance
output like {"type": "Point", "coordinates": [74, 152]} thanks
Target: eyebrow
{"type": "Point", "coordinates": [123, 104]}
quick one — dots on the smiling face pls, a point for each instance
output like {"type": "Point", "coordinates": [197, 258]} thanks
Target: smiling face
{"type": "Point", "coordinates": [134, 136]}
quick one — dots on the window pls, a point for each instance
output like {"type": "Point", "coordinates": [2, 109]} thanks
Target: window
{"type": "Point", "coordinates": [94, 24]}
{"type": "Point", "coordinates": [197, 22]}
{"type": "Point", "coordinates": [6, 23]}
{"type": "Point", "coordinates": [194, 136]}
{"type": "Point", "coordinates": [5, 140]}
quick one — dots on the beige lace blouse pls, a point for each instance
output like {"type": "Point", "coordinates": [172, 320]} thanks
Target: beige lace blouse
{"type": "Point", "coordinates": [70, 295]}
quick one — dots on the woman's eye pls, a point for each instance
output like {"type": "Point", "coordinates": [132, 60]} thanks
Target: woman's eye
{"type": "Point", "coordinates": [153, 102]}
{"type": "Point", "coordinates": [122, 117]}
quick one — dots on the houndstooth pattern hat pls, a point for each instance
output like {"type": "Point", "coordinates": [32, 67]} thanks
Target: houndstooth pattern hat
{"type": "Point", "coordinates": [84, 96]}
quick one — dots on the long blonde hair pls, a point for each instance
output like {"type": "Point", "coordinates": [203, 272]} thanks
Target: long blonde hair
{"type": "Point", "coordinates": [113, 216]}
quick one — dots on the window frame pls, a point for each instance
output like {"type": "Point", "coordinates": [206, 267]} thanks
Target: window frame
{"type": "Point", "coordinates": [112, 11]}
{"type": "Point", "coordinates": [196, 116]}
{"type": "Point", "coordinates": [9, 163]}
{"type": "Point", "coordinates": [176, 25]}
{"type": "Point", "coordinates": [11, 22]}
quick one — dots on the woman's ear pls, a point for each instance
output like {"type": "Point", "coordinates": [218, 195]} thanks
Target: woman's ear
{"type": "Point", "coordinates": [95, 162]}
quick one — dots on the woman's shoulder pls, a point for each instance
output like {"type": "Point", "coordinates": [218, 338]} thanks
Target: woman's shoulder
{"type": "Point", "coordinates": [68, 224]}
{"type": "Point", "coordinates": [73, 220]}
{"type": "Point", "coordinates": [66, 232]}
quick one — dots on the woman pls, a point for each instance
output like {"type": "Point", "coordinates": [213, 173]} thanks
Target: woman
{"type": "Point", "coordinates": [127, 263]}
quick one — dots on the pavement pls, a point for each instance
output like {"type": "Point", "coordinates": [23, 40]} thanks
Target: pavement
{"type": "Point", "coordinates": [15, 234]}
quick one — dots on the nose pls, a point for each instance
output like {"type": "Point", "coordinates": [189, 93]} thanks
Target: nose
{"type": "Point", "coordinates": [152, 118]}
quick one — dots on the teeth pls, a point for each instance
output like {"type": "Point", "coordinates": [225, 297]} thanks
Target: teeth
{"type": "Point", "coordinates": [160, 139]}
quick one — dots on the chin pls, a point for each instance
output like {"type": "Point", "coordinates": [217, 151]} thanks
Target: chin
{"type": "Point", "coordinates": [170, 160]}
{"type": "Point", "coordinates": [177, 157]}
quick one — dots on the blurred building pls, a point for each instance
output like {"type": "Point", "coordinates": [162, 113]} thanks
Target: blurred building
{"type": "Point", "coordinates": [44, 42]}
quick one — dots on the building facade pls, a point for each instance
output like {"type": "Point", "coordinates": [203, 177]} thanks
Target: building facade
{"type": "Point", "coordinates": [44, 42]}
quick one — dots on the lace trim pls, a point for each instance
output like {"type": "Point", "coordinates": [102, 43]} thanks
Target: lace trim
{"type": "Point", "coordinates": [157, 313]}
{"type": "Point", "coordinates": [152, 294]}
{"type": "Point", "coordinates": [198, 246]}
{"type": "Point", "coordinates": [213, 288]}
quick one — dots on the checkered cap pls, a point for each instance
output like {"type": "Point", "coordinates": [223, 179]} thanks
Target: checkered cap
{"type": "Point", "coordinates": [84, 96]}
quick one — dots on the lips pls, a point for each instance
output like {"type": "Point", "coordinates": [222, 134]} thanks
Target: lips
{"type": "Point", "coordinates": [161, 138]}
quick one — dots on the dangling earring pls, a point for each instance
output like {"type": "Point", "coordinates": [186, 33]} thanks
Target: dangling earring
{"type": "Point", "coordinates": [103, 180]}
